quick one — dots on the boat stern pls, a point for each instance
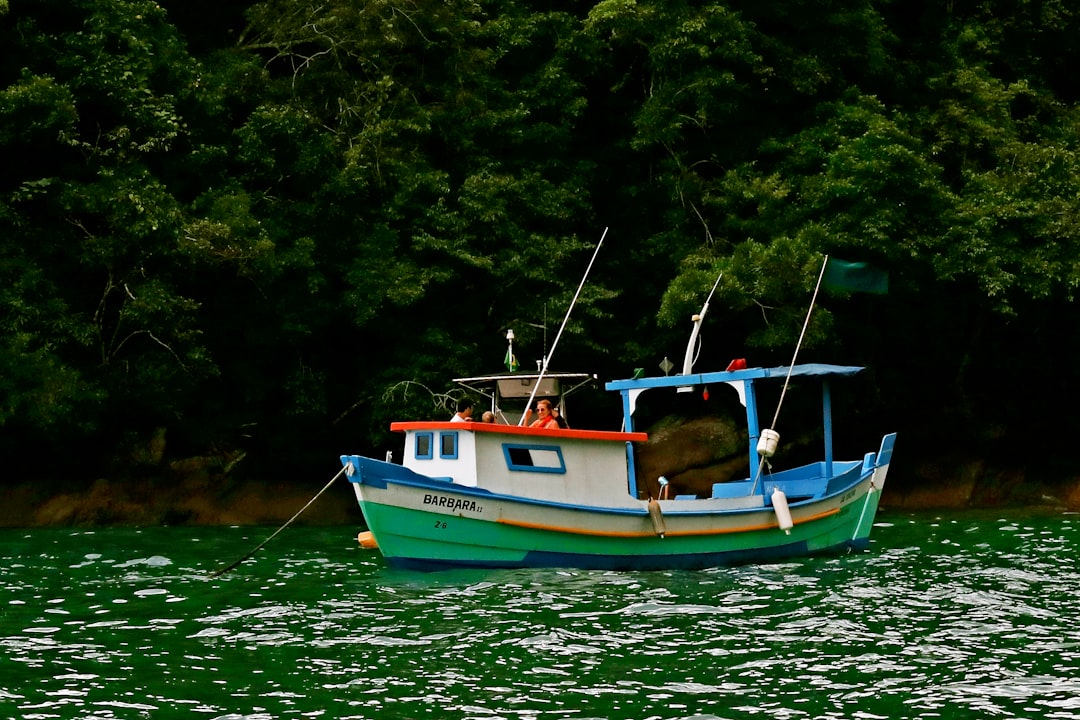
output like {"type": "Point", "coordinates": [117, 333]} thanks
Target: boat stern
{"type": "Point", "coordinates": [877, 465]}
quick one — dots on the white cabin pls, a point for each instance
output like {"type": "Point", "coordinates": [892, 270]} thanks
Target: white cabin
{"type": "Point", "coordinates": [586, 467]}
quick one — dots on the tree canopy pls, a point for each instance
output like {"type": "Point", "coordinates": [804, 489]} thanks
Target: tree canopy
{"type": "Point", "coordinates": [258, 225]}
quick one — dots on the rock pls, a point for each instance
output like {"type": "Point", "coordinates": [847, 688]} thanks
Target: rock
{"type": "Point", "coordinates": [692, 454]}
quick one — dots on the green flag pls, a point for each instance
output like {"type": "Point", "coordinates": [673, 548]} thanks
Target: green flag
{"type": "Point", "coordinates": [510, 361]}
{"type": "Point", "coordinates": [855, 277]}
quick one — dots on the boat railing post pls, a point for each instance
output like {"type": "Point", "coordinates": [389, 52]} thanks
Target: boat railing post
{"type": "Point", "coordinates": [753, 425]}
{"type": "Point", "coordinates": [628, 426]}
{"type": "Point", "coordinates": [826, 411]}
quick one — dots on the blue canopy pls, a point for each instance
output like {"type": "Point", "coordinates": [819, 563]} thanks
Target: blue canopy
{"type": "Point", "coordinates": [723, 376]}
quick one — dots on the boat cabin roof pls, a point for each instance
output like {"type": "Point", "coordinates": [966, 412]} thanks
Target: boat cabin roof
{"type": "Point", "coordinates": [520, 384]}
{"type": "Point", "coordinates": [805, 370]}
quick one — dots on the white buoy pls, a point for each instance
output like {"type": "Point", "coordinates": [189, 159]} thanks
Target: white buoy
{"type": "Point", "coordinates": [767, 443]}
{"type": "Point", "coordinates": [657, 517]}
{"type": "Point", "coordinates": [783, 513]}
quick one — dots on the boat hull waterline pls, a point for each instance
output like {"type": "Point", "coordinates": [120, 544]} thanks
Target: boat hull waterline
{"type": "Point", "coordinates": [428, 524]}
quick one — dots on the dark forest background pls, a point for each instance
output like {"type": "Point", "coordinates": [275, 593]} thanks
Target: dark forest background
{"type": "Point", "coordinates": [266, 229]}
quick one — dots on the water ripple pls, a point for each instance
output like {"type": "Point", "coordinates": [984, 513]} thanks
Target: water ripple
{"type": "Point", "coordinates": [957, 617]}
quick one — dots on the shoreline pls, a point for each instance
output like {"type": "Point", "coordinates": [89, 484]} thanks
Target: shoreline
{"type": "Point", "coordinates": [195, 501]}
{"type": "Point", "coordinates": [200, 499]}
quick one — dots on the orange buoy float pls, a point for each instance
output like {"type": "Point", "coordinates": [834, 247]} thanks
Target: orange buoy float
{"type": "Point", "coordinates": [367, 540]}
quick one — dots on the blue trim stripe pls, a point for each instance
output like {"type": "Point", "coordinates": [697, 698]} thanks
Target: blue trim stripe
{"type": "Point", "coordinates": [377, 474]}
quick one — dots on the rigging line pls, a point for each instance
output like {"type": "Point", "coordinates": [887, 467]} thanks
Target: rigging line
{"type": "Point", "coordinates": [798, 345]}
{"type": "Point", "coordinates": [791, 367]}
{"type": "Point", "coordinates": [547, 356]}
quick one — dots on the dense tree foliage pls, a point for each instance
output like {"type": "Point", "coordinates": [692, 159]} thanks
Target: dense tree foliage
{"type": "Point", "coordinates": [268, 226]}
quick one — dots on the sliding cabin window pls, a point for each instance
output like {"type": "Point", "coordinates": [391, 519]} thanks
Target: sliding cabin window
{"type": "Point", "coordinates": [448, 445]}
{"type": "Point", "coordinates": [425, 442]}
{"type": "Point", "coordinates": [534, 458]}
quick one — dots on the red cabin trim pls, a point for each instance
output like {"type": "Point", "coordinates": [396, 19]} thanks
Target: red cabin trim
{"type": "Point", "coordinates": [515, 430]}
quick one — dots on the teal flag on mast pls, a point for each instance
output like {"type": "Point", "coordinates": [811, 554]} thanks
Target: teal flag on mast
{"type": "Point", "coordinates": [855, 277]}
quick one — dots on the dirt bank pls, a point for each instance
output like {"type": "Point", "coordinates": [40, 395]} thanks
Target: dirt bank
{"type": "Point", "coordinates": [192, 495]}
{"type": "Point", "coordinates": [960, 482]}
{"type": "Point", "coordinates": [192, 501]}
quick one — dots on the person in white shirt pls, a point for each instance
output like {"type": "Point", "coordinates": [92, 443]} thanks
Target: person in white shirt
{"type": "Point", "coordinates": [464, 411]}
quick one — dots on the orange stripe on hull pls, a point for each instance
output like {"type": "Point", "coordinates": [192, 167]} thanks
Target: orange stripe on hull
{"type": "Point", "coordinates": [645, 533]}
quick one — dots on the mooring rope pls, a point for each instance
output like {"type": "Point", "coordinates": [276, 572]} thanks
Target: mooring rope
{"type": "Point", "coordinates": [260, 546]}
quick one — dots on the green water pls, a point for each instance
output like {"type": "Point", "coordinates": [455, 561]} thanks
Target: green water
{"type": "Point", "coordinates": [974, 616]}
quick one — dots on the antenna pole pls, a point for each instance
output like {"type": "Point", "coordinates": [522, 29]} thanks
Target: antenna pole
{"type": "Point", "coordinates": [688, 357]}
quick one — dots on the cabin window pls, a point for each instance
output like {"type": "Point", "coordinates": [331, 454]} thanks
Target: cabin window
{"type": "Point", "coordinates": [534, 458]}
{"type": "Point", "coordinates": [448, 445]}
{"type": "Point", "coordinates": [424, 445]}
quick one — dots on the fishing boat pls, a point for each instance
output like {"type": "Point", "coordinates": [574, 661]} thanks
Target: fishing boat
{"type": "Point", "coordinates": [504, 495]}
